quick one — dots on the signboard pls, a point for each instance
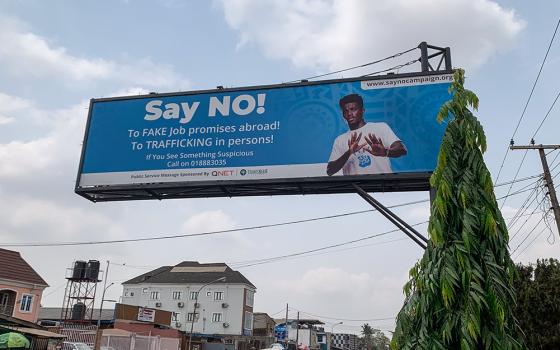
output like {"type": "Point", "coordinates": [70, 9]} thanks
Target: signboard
{"type": "Point", "coordinates": [146, 315]}
{"type": "Point", "coordinates": [254, 141]}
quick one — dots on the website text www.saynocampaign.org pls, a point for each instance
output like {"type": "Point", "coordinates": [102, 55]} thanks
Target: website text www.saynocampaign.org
{"type": "Point", "coordinates": [409, 81]}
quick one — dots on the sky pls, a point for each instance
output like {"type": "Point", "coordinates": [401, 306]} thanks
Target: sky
{"type": "Point", "coordinates": [55, 56]}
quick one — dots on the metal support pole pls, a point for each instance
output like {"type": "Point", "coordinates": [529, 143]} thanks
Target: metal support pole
{"type": "Point", "coordinates": [397, 221]}
{"type": "Point", "coordinates": [286, 324]}
{"type": "Point", "coordinates": [297, 332]}
{"type": "Point", "coordinates": [551, 191]}
{"type": "Point", "coordinates": [424, 56]}
{"type": "Point", "coordinates": [221, 279]}
{"type": "Point", "coordinates": [103, 295]}
{"type": "Point", "coordinates": [448, 59]}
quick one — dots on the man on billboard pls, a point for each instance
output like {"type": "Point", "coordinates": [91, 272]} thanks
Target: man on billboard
{"type": "Point", "coordinates": [367, 147]}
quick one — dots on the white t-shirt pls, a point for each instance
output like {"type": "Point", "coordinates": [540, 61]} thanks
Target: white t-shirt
{"type": "Point", "coordinates": [363, 162]}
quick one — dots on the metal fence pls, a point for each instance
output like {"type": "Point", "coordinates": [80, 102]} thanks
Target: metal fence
{"type": "Point", "coordinates": [137, 342]}
{"type": "Point", "coordinates": [78, 333]}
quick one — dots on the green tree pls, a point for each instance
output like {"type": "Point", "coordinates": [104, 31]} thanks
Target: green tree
{"type": "Point", "coordinates": [460, 294]}
{"type": "Point", "coordinates": [373, 339]}
{"type": "Point", "coordinates": [367, 335]}
{"type": "Point", "coordinates": [538, 303]}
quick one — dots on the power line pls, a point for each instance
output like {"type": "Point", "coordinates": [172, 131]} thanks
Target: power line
{"type": "Point", "coordinates": [528, 100]}
{"type": "Point", "coordinates": [355, 67]}
{"type": "Point", "coordinates": [281, 257]}
{"type": "Point", "coordinates": [527, 236]}
{"type": "Point", "coordinates": [345, 319]}
{"type": "Point", "coordinates": [398, 66]}
{"type": "Point", "coordinates": [546, 116]}
{"type": "Point", "coordinates": [208, 233]}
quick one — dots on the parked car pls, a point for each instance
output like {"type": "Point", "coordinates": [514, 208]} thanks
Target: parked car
{"type": "Point", "coordinates": [75, 346]}
{"type": "Point", "coordinates": [275, 346]}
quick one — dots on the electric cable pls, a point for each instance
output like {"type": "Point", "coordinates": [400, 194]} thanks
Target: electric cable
{"type": "Point", "coordinates": [355, 67]}
{"type": "Point", "coordinates": [528, 99]}
{"type": "Point", "coordinates": [546, 116]}
{"type": "Point", "coordinates": [398, 66]}
{"type": "Point", "coordinates": [527, 236]}
{"type": "Point", "coordinates": [343, 319]}
{"type": "Point", "coordinates": [208, 233]}
{"type": "Point", "coordinates": [519, 229]}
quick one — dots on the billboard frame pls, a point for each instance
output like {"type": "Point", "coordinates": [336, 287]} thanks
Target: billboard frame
{"type": "Point", "coordinates": [393, 182]}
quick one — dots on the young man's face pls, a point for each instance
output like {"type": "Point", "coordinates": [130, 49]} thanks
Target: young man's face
{"type": "Point", "coordinates": [353, 113]}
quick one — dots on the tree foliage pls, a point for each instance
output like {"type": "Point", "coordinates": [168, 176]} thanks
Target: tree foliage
{"type": "Point", "coordinates": [373, 339]}
{"type": "Point", "coordinates": [460, 294]}
{"type": "Point", "coordinates": [538, 303]}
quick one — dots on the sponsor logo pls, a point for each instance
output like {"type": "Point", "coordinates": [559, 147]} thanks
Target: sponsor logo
{"type": "Point", "coordinates": [242, 172]}
{"type": "Point", "coordinates": [223, 173]}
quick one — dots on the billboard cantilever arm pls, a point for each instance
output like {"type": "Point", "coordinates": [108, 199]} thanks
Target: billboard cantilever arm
{"type": "Point", "coordinates": [397, 221]}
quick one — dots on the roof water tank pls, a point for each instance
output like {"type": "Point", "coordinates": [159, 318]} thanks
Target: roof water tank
{"type": "Point", "coordinates": [79, 269]}
{"type": "Point", "coordinates": [92, 270]}
{"type": "Point", "coordinates": [78, 311]}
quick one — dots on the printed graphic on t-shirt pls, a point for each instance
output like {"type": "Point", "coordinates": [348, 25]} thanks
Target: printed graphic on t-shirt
{"type": "Point", "coordinates": [364, 160]}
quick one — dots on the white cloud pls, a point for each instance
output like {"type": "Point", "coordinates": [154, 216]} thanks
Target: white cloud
{"type": "Point", "coordinates": [206, 221]}
{"type": "Point", "coordinates": [334, 34]}
{"type": "Point", "coordinates": [27, 55]}
{"type": "Point", "coordinates": [29, 220]}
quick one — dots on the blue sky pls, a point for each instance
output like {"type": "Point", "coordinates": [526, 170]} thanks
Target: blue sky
{"type": "Point", "coordinates": [55, 56]}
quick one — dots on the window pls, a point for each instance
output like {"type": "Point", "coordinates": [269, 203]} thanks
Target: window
{"type": "Point", "coordinates": [128, 294]}
{"type": "Point", "coordinates": [145, 290]}
{"type": "Point", "coordinates": [131, 294]}
{"type": "Point", "coordinates": [26, 302]}
{"type": "Point", "coordinates": [209, 294]}
{"type": "Point", "coordinates": [248, 320]}
{"type": "Point", "coordinates": [194, 295]}
{"type": "Point", "coordinates": [154, 295]}
{"type": "Point", "coordinates": [175, 317]}
{"type": "Point", "coordinates": [249, 297]}
{"type": "Point", "coordinates": [218, 295]}
{"type": "Point", "coordinates": [177, 295]}
{"type": "Point", "coordinates": [191, 316]}
{"type": "Point", "coordinates": [216, 317]}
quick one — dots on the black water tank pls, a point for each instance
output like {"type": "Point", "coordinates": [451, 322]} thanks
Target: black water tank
{"type": "Point", "coordinates": [79, 269]}
{"type": "Point", "coordinates": [92, 270]}
{"type": "Point", "coordinates": [78, 311]}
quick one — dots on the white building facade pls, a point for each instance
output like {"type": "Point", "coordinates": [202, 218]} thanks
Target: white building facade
{"type": "Point", "coordinates": [197, 296]}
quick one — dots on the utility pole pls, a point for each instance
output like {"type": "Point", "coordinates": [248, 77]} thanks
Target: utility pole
{"type": "Point", "coordinates": [548, 178]}
{"type": "Point", "coordinates": [286, 340]}
{"type": "Point", "coordinates": [297, 331]}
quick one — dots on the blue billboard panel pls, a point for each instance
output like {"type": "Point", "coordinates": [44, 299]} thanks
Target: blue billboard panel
{"type": "Point", "coordinates": [298, 131]}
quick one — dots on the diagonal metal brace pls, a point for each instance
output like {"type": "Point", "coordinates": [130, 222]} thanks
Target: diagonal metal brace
{"type": "Point", "coordinates": [397, 221]}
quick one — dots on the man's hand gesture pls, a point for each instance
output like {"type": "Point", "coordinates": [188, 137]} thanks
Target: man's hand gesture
{"type": "Point", "coordinates": [354, 143]}
{"type": "Point", "coordinates": [376, 146]}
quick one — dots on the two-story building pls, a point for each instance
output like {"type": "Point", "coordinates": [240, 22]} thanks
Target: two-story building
{"type": "Point", "coordinates": [21, 287]}
{"type": "Point", "coordinates": [210, 299]}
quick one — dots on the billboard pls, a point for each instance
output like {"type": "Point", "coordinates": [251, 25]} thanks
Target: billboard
{"type": "Point", "coordinates": [329, 132]}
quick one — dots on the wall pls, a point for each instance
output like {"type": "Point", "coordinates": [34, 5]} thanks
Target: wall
{"type": "Point", "coordinates": [22, 289]}
{"type": "Point", "coordinates": [232, 315]}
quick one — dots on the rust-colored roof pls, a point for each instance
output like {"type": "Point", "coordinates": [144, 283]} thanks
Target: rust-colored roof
{"type": "Point", "coordinates": [13, 267]}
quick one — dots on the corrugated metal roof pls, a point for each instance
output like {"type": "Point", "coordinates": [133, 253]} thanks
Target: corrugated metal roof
{"type": "Point", "coordinates": [14, 268]}
{"type": "Point", "coordinates": [53, 314]}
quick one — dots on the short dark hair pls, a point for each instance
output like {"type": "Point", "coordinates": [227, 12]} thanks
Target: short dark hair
{"type": "Point", "coordinates": [351, 98]}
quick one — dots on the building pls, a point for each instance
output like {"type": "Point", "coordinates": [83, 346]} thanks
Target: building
{"type": "Point", "coordinates": [307, 334]}
{"type": "Point", "coordinates": [212, 298]}
{"type": "Point", "coordinates": [344, 341]}
{"type": "Point", "coordinates": [21, 287]}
